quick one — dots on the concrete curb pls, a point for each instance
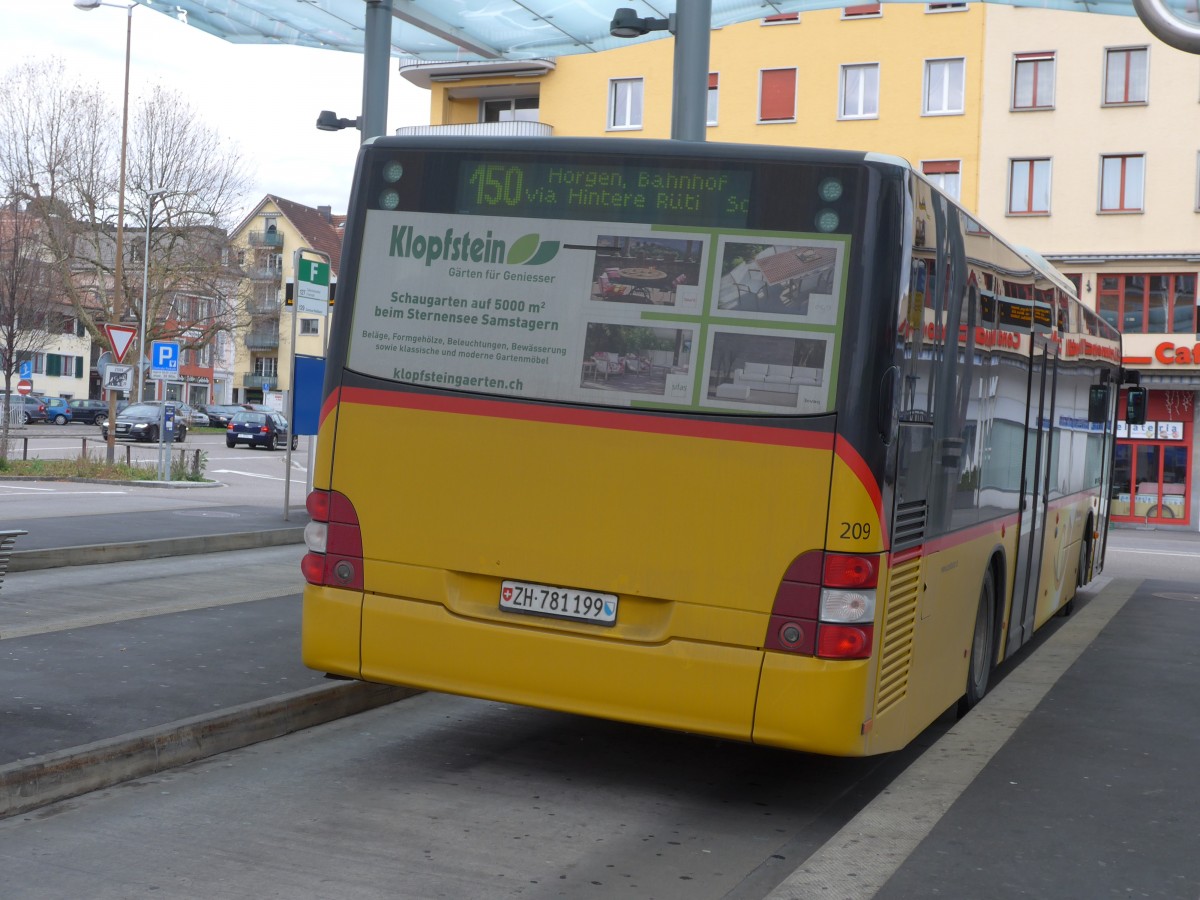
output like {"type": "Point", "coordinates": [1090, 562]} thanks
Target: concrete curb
{"type": "Point", "coordinates": [57, 557]}
{"type": "Point", "coordinates": [31, 783]}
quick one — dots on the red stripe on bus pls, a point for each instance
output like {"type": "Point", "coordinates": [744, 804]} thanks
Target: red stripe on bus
{"type": "Point", "coordinates": [858, 466]}
{"type": "Point", "coordinates": [589, 418]}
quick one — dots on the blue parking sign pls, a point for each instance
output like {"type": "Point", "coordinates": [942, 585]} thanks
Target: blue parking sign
{"type": "Point", "coordinates": [164, 358]}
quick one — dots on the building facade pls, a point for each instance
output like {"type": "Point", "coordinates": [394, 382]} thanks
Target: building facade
{"type": "Point", "coordinates": [265, 243]}
{"type": "Point", "coordinates": [1077, 135]}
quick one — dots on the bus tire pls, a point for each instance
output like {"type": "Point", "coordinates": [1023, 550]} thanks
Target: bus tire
{"type": "Point", "coordinates": [983, 642]}
{"type": "Point", "coordinates": [1084, 574]}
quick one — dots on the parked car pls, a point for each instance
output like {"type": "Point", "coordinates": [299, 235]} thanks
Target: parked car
{"type": "Point", "coordinates": [219, 414]}
{"type": "Point", "coordinates": [58, 410]}
{"type": "Point", "coordinates": [253, 428]}
{"type": "Point", "coordinates": [89, 412]}
{"type": "Point", "coordinates": [30, 409]}
{"type": "Point", "coordinates": [139, 422]}
{"type": "Point", "coordinates": [190, 414]}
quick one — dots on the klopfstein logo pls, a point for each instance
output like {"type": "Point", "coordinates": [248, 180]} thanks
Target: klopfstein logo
{"type": "Point", "coordinates": [528, 250]}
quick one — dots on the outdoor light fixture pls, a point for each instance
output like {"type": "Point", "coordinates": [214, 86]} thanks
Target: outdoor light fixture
{"type": "Point", "coordinates": [626, 23]}
{"type": "Point", "coordinates": [328, 121]}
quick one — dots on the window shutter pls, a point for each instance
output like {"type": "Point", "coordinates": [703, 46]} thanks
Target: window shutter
{"type": "Point", "coordinates": [778, 95]}
{"type": "Point", "coordinates": [79, 367]}
{"type": "Point", "coordinates": [53, 364]}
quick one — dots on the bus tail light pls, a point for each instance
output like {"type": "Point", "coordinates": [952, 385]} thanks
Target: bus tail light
{"type": "Point", "coordinates": [334, 542]}
{"type": "Point", "coordinates": [825, 606]}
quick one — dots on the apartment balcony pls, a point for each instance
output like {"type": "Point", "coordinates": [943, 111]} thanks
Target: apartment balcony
{"type": "Point", "coordinates": [260, 382]}
{"type": "Point", "coordinates": [264, 273]}
{"type": "Point", "coordinates": [518, 128]}
{"type": "Point", "coordinates": [262, 339]}
{"type": "Point", "coordinates": [266, 238]}
{"type": "Point", "coordinates": [263, 309]}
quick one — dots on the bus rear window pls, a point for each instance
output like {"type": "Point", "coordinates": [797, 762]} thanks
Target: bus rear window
{"type": "Point", "coordinates": [616, 285]}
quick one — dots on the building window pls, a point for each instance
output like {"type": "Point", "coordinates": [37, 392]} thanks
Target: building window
{"type": "Point", "coordinates": [863, 11]}
{"type": "Point", "coordinates": [945, 174]}
{"type": "Point", "coordinates": [713, 97]}
{"type": "Point", "coordinates": [777, 95]}
{"type": "Point", "coordinates": [266, 366]}
{"type": "Point", "coordinates": [1126, 76]}
{"type": "Point", "coordinates": [943, 87]}
{"type": "Point", "coordinates": [860, 92]}
{"type": "Point", "coordinates": [625, 104]}
{"type": "Point", "coordinates": [782, 19]}
{"type": "Point", "coordinates": [1121, 180]}
{"type": "Point", "coordinates": [1033, 81]}
{"type": "Point", "coordinates": [1148, 304]}
{"type": "Point", "coordinates": [1029, 187]}
{"type": "Point", "coordinates": [309, 326]}
{"type": "Point", "coordinates": [512, 109]}
{"type": "Point", "coordinates": [945, 7]}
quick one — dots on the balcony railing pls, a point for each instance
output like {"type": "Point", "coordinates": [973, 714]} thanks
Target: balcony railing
{"type": "Point", "coordinates": [518, 128]}
{"type": "Point", "coordinates": [266, 238]}
{"type": "Point", "coordinates": [262, 339]}
{"type": "Point", "coordinates": [263, 309]}
{"type": "Point", "coordinates": [262, 382]}
{"type": "Point", "coordinates": [263, 273]}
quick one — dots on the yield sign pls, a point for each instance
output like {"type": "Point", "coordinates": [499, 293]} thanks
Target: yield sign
{"type": "Point", "coordinates": [120, 336]}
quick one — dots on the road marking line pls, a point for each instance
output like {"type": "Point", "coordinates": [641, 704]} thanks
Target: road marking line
{"type": "Point", "coordinates": [1150, 552]}
{"type": "Point", "coordinates": [857, 861]}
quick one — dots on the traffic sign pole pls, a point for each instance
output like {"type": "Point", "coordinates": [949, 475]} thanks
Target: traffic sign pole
{"type": "Point", "coordinates": [312, 296]}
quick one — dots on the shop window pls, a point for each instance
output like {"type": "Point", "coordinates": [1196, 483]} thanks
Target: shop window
{"type": "Point", "coordinates": [1148, 303]}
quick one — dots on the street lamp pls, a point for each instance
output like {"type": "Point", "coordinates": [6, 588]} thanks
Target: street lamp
{"type": "Point", "coordinates": [118, 265]}
{"type": "Point", "coordinates": [145, 290]}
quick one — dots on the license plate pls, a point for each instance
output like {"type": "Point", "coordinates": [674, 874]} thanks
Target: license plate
{"type": "Point", "coordinates": [243, 437]}
{"type": "Point", "coordinates": [559, 602]}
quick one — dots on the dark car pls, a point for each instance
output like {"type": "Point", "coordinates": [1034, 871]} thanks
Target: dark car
{"type": "Point", "coordinates": [257, 429]}
{"type": "Point", "coordinates": [219, 414]}
{"type": "Point", "coordinates": [89, 412]}
{"type": "Point", "coordinates": [58, 410]}
{"type": "Point", "coordinates": [29, 409]}
{"type": "Point", "coordinates": [139, 422]}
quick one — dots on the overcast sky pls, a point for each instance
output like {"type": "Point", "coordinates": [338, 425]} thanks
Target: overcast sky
{"type": "Point", "coordinates": [265, 97]}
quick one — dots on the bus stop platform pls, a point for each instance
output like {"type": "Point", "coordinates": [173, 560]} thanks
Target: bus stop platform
{"type": "Point", "coordinates": [1075, 777]}
{"type": "Point", "coordinates": [58, 541]}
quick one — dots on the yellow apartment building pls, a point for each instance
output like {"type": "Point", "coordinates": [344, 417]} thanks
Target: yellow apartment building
{"type": "Point", "coordinates": [265, 243]}
{"type": "Point", "coordinates": [1077, 135]}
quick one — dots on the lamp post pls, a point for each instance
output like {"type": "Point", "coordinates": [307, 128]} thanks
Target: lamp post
{"type": "Point", "coordinates": [145, 290]}
{"type": "Point", "coordinates": [118, 265]}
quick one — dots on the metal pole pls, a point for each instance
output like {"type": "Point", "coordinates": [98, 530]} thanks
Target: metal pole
{"type": "Point", "coordinates": [118, 266]}
{"type": "Point", "coordinates": [377, 57]}
{"type": "Point", "coordinates": [693, 24]}
{"type": "Point", "coordinates": [145, 285]}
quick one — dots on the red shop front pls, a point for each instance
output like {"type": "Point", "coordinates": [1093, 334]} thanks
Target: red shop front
{"type": "Point", "coordinates": [1152, 463]}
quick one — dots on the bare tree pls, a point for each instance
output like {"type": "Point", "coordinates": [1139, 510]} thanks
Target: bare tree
{"type": "Point", "coordinates": [59, 144]}
{"type": "Point", "coordinates": [30, 302]}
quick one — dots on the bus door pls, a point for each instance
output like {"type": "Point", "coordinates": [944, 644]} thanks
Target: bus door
{"type": "Point", "coordinates": [1034, 490]}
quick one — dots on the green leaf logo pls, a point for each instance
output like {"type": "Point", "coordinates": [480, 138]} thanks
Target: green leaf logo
{"type": "Point", "coordinates": [523, 248]}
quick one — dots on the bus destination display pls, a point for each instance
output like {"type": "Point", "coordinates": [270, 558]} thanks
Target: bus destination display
{"type": "Point", "coordinates": [624, 192]}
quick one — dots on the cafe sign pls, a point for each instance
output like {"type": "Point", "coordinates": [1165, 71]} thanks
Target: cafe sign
{"type": "Point", "coordinates": [1169, 354]}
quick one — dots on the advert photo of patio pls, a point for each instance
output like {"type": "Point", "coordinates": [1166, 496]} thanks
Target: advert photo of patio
{"type": "Point", "coordinates": [634, 359]}
{"type": "Point", "coordinates": [648, 270]}
{"type": "Point", "coordinates": [793, 279]}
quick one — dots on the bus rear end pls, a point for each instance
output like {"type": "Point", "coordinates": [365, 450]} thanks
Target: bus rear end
{"type": "Point", "coordinates": [581, 435]}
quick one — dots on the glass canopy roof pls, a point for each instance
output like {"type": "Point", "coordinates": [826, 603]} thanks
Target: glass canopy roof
{"type": "Point", "coordinates": [436, 30]}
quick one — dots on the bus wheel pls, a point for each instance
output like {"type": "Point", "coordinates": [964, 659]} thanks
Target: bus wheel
{"type": "Point", "coordinates": [1083, 576]}
{"type": "Point", "coordinates": [983, 640]}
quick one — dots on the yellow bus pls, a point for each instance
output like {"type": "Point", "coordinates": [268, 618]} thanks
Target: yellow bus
{"type": "Point", "coordinates": [770, 444]}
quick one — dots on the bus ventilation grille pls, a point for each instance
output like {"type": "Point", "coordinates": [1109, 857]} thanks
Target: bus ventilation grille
{"type": "Point", "coordinates": [909, 528]}
{"type": "Point", "coordinates": [899, 625]}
